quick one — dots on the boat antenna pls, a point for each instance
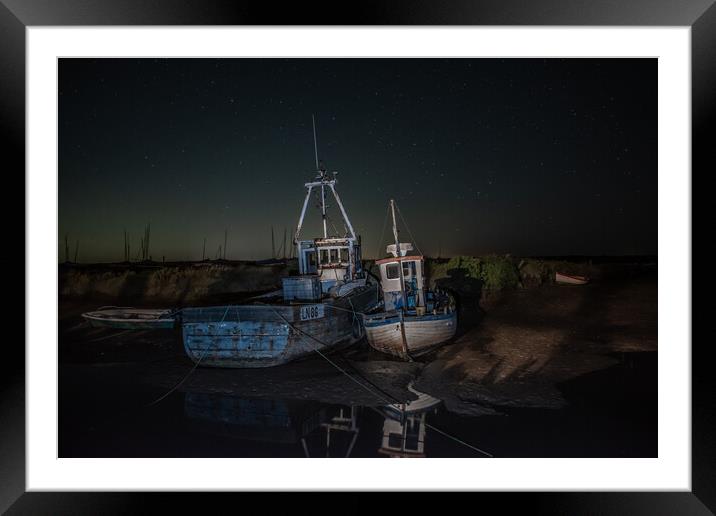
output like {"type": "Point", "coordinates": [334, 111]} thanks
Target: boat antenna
{"type": "Point", "coordinates": [315, 142]}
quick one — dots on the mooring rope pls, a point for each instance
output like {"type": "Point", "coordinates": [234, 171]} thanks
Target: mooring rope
{"type": "Point", "coordinates": [196, 364]}
{"type": "Point", "coordinates": [431, 427]}
{"type": "Point", "coordinates": [339, 368]}
{"type": "Point", "coordinates": [428, 425]}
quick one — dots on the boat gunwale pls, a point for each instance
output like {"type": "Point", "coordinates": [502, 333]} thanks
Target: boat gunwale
{"type": "Point", "coordinates": [376, 320]}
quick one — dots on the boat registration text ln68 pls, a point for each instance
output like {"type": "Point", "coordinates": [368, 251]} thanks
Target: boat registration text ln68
{"type": "Point", "coordinates": [311, 312]}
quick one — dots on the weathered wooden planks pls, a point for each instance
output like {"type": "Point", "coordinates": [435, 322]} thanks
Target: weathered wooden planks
{"type": "Point", "coordinates": [422, 333]}
{"type": "Point", "coordinates": [268, 335]}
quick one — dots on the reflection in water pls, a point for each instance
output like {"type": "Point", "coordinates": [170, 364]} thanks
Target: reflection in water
{"type": "Point", "coordinates": [253, 419]}
{"type": "Point", "coordinates": [404, 438]}
{"type": "Point", "coordinates": [404, 426]}
{"type": "Point", "coordinates": [342, 423]}
{"type": "Point", "coordinates": [322, 430]}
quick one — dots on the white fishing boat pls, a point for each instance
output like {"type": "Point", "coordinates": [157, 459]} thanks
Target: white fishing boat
{"type": "Point", "coordinates": [414, 319]}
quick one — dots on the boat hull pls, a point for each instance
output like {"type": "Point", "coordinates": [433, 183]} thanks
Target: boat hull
{"type": "Point", "coordinates": [568, 279]}
{"type": "Point", "coordinates": [131, 318]}
{"type": "Point", "coordinates": [422, 333]}
{"type": "Point", "coordinates": [247, 336]}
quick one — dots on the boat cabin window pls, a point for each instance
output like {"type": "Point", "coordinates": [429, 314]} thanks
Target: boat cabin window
{"type": "Point", "coordinates": [324, 257]}
{"type": "Point", "coordinates": [307, 258]}
{"type": "Point", "coordinates": [409, 269]}
{"type": "Point", "coordinates": [333, 256]}
{"type": "Point", "coordinates": [395, 441]}
{"type": "Point", "coordinates": [392, 271]}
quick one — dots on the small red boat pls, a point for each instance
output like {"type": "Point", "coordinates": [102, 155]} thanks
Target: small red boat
{"type": "Point", "coordinates": [570, 279]}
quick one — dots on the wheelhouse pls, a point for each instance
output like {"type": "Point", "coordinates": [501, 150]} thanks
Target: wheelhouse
{"type": "Point", "coordinates": [335, 260]}
{"type": "Point", "coordinates": [413, 279]}
{"type": "Point", "coordinates": [332, 259]}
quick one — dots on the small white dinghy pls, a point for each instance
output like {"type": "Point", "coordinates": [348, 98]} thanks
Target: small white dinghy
{"type": "Point", "coordinates": [569, 279]}
{"type": "Point", "coordinates": [131, 318]}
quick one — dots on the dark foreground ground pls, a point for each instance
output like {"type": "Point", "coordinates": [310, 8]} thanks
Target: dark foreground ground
{"type": "Point", "coordinates": [553, 371]}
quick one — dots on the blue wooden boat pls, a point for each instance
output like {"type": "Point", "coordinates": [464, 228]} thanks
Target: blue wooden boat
{"type": "Point", "coordinates": [316, 311]}
{"type": "Point", "coordinates": [414, 319]}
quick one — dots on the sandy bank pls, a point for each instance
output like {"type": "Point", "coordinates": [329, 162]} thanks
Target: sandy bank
{"type": "Point", "coordinates": [530, 341]}
{"type": "Point", "coordinates": [176, 284]}
{"type": "Point", "coordinates": [514, 347]}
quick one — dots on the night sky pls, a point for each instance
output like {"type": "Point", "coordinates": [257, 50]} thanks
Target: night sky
{"type": "Point", "coordinates": [520, 156]}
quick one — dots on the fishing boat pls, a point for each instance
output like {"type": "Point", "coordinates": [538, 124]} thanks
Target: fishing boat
{"type": "Point", "coordinates": [315, 311]}
{"type": "Point", "coordinates": [570, 279]}
{"type": "Point", "coordinates": [131, 318]}
{"type": "Point", "coordinates": [414, 319]}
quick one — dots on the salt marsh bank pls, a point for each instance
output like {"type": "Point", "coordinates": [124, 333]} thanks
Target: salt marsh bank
{"type": "Point", "coordinates": [535, 369]}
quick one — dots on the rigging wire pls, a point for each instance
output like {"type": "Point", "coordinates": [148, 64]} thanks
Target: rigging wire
{"type": "Point", "coordinates": [382, 232]}
{"type": "Point", "coordinates": [196, 364]}
{"type": "Point", "coordinates": [409, 233]}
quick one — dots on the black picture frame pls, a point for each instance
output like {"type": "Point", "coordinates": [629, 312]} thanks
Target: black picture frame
{"type": "Point", "coordinates": [17, 15]}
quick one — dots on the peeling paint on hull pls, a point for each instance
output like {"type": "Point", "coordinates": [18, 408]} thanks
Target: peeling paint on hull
{"type": "Point", "coordinates": [422, 333]}
{"type": "Point", "coordinates": [246, 336]}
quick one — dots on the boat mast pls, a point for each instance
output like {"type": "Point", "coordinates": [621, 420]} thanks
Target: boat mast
{"type": "Point", "coordinates": [315, 143]}
{"type": "Point", "coordinates": [321, 174]}
{"type": "Point", "coordinates": [326, 181]}
{"type": "Point", "coordinates": [309, 187]}
{"type": "Point", "coordinates": [402, 280]}
{"type": "Point", "coordinates": [397, 250]}
{"type": "Point", "coordinates": [323, 209]}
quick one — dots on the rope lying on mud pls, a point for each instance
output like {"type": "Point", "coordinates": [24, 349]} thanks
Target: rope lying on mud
{"type": "Point", "coordinates": [339, 368]}
{"type": "Point", "coordinates": [196, 364]}
{"type": "Point", "coordinates": [394, 401]}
